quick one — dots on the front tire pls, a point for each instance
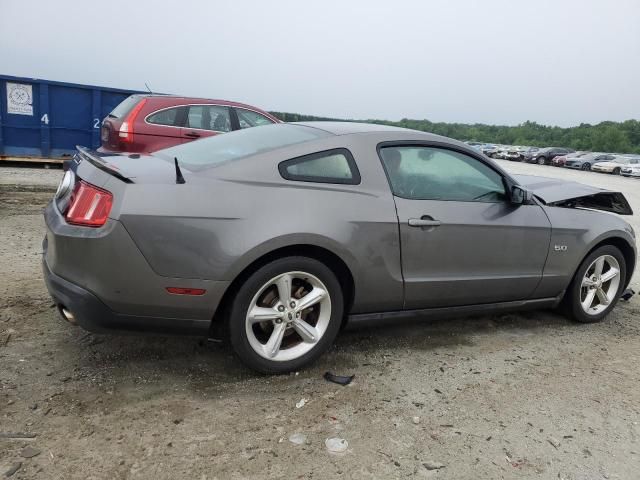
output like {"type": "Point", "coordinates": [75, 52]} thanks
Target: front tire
{"type": "Point", "coordinates": [285, 315]}
{"type": "Point", "coordinates": [586, 166]}
{"type": "Point", "coordinates": [597, 285]}
{"type": "Point", "coordinates": [541, 161]}
{"type": "Point", "coordinates": [616, 171]}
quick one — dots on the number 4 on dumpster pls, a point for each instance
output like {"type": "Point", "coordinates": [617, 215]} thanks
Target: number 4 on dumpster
{"type": "Point", "coordinates": [45, 119]}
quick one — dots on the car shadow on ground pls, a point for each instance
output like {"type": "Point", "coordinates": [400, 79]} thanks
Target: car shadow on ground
{"type": "Point", "coordinates": [202, 363]}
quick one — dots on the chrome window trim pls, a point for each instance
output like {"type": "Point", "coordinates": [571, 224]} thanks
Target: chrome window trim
{"type": "Point", "coordinates": [195, 105]}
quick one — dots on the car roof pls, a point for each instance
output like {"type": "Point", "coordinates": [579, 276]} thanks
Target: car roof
{"type": "Point", "coordinates": [349, 128]}
{"type": "Point", "coordinates": [183, 99]}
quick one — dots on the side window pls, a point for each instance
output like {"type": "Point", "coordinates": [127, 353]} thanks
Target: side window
{"type": "Point", "coordinates": [427, 173]}
{"type": "Point", "coordinates": [209, 117]}
{"type": "Point", "coordinates": [169, 117]}
{"type": "Point", "coordinates": [248, 119]}
{"type": "Point", "coordinates": [332, 166]}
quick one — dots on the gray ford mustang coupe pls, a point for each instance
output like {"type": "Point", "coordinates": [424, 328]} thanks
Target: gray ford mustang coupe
{"type": "Point", "coordinates": [274, 236]}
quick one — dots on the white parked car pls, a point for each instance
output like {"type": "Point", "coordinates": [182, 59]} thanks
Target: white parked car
{"type": "Point", "coordinates": [632, 170]}
{"type": "Point", "coordinates": [616, 165]}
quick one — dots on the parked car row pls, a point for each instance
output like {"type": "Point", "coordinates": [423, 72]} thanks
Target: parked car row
{"type": "Point", "coordinates": [613, 163]}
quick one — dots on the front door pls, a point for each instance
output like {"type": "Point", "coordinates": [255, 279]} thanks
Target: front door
{"type": "Point", "coordinates": [462, 241]}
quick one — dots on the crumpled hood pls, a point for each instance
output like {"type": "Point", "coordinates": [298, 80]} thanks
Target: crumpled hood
{"type": "Point", "coordinates": [560, 193]}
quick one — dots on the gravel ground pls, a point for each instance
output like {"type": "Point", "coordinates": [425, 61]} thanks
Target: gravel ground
{"type": "Point", "coordinates": [510, 396]}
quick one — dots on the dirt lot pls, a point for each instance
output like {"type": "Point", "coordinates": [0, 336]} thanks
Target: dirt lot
{"type": "Point", "coordinates": [512, 396]}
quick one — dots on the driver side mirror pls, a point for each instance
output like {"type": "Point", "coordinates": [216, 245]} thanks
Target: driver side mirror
{"type": "Point", "coordinates": [520, 195]}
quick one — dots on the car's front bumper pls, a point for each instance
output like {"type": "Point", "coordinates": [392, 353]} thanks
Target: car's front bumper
{"type": "Point", "coordinates": [630, 173]}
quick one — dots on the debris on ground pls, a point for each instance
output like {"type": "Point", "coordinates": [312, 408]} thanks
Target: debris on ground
{"type": "Point", "coordinates": [336, 445]}
{"type": "Point", "coordinates": [16, 435]}
{"type": "Point", "coordinates": [298, 438]}
{"type": "Point", "coordinates": [431, 465]}
{"type": "Point", "coordinates": [301, 403]}
{"type": "Point", "coordinates": [339, 379]}
{"type": "Point", "coordinates": [30, 452]}
{"type": "Point", "coordinates": [415, 420]}
{"type": "Point", "coordinates": [13, 469]}
{"type": "Point", "coordinates": [554, 442]}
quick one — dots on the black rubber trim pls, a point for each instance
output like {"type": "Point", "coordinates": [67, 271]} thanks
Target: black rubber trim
{"type": "Point", "coordinates": [382, 318]}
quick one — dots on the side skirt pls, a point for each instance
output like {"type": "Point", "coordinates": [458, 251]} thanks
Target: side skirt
{"type": "Point", "coordinates": [382, 318]}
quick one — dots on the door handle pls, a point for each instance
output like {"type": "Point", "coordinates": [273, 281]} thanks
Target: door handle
{"type": "Point", "coordinates": [192, 135]}
{"type": "Point", "coordinates": [423, 222]}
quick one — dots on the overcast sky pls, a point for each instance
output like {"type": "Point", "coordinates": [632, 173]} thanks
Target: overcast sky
{"type": "Point", "coordinates": [559, 62]}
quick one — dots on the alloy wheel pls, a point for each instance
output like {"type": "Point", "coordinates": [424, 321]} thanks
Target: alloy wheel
{"type": "Point", "coordinates": [288, 316]}
{"type": "Point", "coordinates": [600, 284]}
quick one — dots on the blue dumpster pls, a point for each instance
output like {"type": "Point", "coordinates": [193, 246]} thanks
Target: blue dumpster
{"type": "Point", "coordinates": [46, 119]}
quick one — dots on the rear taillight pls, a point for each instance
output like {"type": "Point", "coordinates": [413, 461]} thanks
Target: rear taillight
{"type": "Point", "coordinates": [89, 205]}
{"type": "Point", "coordinates": [126, 128]}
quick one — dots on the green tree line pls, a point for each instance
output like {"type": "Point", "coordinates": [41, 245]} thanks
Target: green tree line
{"type": "Point", "coordinates": [616, 137]}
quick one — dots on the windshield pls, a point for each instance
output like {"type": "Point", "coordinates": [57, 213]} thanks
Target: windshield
{"type": "Point", "coordinates": [124, 107]}
{"type": "Point", "coordinates": [241, 143]}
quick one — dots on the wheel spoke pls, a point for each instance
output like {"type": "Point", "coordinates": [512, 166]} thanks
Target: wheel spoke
{"type": "Point", "coordinates": [261, 314]}
{"type": "Point", "coordinates": [306, 331]}
{"type": "Point", "coordinates": [311, 298]}
{"type": "Point", "coordinates": [284, 288]}
{"type": "Point", "coordinates": [586, 303]}
{"type": "Point", "coordinates": [587, 282]}
{"type": "Point", "coordinates": [599, 267]}
{"type": "Point", "coordinates": [272, 347]}
{"type": "Point", "coordinates": [610, 274]}
{"type": "Point", "coordinates": [602, 296]}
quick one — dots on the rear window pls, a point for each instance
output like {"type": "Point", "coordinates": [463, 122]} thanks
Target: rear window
{"type": "Point", "coordinates": [124, 107]}
{"type": "Point", "coordinates": [241, 143]}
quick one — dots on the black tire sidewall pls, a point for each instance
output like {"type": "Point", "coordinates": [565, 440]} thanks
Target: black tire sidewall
{"type": "Point", "coordinates": [237, 316]}
{"type": "Point", "coordinates": [541, 161]}
{"type": "Point", "coordinates": [573, 292]}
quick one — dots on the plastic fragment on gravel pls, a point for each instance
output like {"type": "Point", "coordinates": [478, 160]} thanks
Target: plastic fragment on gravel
{"type": "Point", "coordinates": [298, 438]}
{"type": "Point", "coordinates": [336, 445]}
{"type": "Point", "coordinates": [431, 465]}
{"type": "Point", "coordinates": [301, 403]}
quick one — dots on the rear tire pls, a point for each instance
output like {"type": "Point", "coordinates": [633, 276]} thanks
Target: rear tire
{"type": "Point", "coordinates": [586, 166]}
{"type": "Point", "coordinates": [582, 301]}
{"type": "Point", "coordinates": [273, 335]}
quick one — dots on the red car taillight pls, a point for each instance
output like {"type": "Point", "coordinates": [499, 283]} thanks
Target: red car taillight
{"type": "Point", "coordinates": [126, 128]}
{"type": "Point", "coordinates": [89, 205]}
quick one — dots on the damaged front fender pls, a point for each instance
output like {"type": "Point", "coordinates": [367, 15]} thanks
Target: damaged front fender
{"type": "Point", "coordinates": [559, 193]}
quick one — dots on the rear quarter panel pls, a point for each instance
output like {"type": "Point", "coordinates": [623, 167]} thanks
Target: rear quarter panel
{"type": "Point", "coordinates": [224, 219]}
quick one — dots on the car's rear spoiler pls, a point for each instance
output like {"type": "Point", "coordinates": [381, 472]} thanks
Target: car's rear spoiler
{"type": "Point", "coordinates": [97, 161]}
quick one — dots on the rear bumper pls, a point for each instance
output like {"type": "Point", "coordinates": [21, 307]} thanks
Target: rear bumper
{"type": "Point", "coordinates": [93, 315]}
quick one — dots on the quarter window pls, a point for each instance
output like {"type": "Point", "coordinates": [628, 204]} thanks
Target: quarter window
{"type": "Point", "coordinates": [248, 119]}
{"type": "Point", "coordinates": [427, 173]}
{"type": "Point", "coordinates": [209, 117]}
{"type": "Point", "coordinates": [169, 117]}
{"type": "Point", "coordinates": [332, 166]}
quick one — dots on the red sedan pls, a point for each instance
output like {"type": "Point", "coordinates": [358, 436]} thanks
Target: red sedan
{"type": "Point", "coordinates": [146, 123]}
